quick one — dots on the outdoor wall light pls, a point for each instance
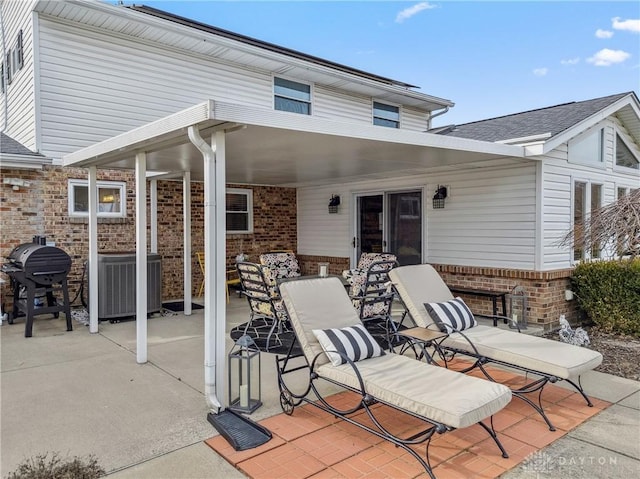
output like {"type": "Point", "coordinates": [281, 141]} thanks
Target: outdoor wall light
{"type": "Point", "coordinates": [333, 203]}
{"type": "Point", "coordinates": [438, 198]}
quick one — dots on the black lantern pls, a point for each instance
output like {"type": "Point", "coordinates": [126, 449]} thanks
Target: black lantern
{"type": "Point", "coordinates": [334, 202]}
{"type": "Point", "coordinates": [244, 376]}
{"type": "Point", "coordinates": [438, 198]}
{"type": "Point", "coordinates": [518, 307]}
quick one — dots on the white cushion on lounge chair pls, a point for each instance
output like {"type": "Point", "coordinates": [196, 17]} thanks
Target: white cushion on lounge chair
{"type": "Point", "coordinates": [437, 393]}
{"type": "Point", "coordinates": [551, 357]}
{"type": "Point", "coordinates": [434, 392]}
{"type": "Point", "coordinates": [314, 310]}
{"type": "Point", "coordinates": [419, 284]}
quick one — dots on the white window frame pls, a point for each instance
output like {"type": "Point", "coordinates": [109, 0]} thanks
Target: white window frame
{"type": "Point", "coordinates": [622, 168]}
{"type": "Point", "coordinates": [586, 256]}
{"type": "Point", "coordinates": [311, 93]}
{"type": "Point", "coordinates": [121, 185]}
{"type": "Point", "coordinates": [249, 194]}
{"type": "Point", "coordinates": [600, 164]}
{"type": "Point", "coordinates": [373, 115]}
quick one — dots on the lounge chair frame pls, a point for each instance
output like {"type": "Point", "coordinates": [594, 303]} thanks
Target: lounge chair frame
{"type": "Point", "coordinates": [536, 385]}
{"type": "Point", "coordinates": [312, 394]}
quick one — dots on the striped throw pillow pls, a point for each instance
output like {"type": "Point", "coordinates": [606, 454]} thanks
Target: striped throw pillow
{"type": "Point", "coordinates": [452, 315]}
{"type": "Point", "coordinates": [355, 342]}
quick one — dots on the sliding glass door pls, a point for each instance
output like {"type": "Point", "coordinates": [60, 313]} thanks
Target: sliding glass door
{"type": "Point", "coordinates": [391, 222]}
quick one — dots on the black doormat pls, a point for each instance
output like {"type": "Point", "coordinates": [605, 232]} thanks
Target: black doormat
{"type": "Point", "coordinates": [179, 306]}
{"type": "Point", "coordinates": [241, 432]}
{"type": "Point", "coordinates": [281, 343]}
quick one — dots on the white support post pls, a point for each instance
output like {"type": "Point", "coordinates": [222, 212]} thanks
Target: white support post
{"type": "Point", "coordinates": [141, 258]}
{"type": "Point", "coordinates": [93, 250]}
{"type": "Point", "coordinates": [154, 216]}
{"type": "Point", "coordinates": [186, 220]}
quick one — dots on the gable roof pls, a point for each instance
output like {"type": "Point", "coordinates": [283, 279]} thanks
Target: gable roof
{"type": "Point", "coordinates": [548, 122]}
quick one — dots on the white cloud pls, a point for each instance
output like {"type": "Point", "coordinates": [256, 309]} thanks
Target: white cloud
{"type": "Point", "coordinates": [632, 25]}
{"type": "Point", "coordinates": [570, 61]}
{"type": "Point", "coordinates": [600, 33]}
{"type": "Point", "coordinates": [540, 72]}
{"type": "Point", "coordinates": [606, 57]}
{"type": "Point", "coordinates": [411, 11]}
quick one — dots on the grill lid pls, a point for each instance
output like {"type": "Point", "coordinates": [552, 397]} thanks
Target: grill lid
{"type": "Point", "coordinates": [38, 260]}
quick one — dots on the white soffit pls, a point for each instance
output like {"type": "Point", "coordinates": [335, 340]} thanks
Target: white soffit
{"type": "Point", "coordinates": [280, 148]}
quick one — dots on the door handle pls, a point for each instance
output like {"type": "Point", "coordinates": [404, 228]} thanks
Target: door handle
{"type": "Point", "coordinates": [353, 242]}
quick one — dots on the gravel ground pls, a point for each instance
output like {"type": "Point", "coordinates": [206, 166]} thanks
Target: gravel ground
{"type": "Point", "coordinates": [621, 354]}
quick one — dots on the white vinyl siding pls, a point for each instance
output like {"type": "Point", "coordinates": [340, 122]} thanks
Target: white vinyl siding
{"type": "Point", "coordinates": [497, 204]}
{"type": "Point", "coordinates": [558, 178]}
{"type": "Point", "coordinates": [489, 218]}
{"type": "Point", "coordinates": [86, 99]}
{"type": "Point", "coordinates": [19, 119]}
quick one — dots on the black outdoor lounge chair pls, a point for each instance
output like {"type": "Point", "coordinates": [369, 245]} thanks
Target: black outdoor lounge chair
{"type": "Point", "coordinates": [338, 350]}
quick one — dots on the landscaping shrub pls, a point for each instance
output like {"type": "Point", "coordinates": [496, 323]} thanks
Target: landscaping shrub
{"type": "Point", "coordinates": [609, 293]}
{"type": "Point", "coordinates": [44, 467]}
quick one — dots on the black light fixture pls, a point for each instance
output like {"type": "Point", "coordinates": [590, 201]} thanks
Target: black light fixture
{"type": "Point", "coordinates": [438, 198]}
{"type": "Point", "coordinates": [333, 203]}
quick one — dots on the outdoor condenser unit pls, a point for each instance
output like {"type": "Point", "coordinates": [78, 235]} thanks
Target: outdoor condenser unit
{"type": "Point", "coordinates": [117, 284]}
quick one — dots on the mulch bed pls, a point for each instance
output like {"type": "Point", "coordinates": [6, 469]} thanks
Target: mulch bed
{"type": "Point", "coordinates": [621, 354]}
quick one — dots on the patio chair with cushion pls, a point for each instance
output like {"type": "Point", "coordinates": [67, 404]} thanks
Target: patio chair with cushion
{"type": "Point", "coordinates": [338, 350]}
{"type": "Point", "coordinates": [366, 260]}
{"type": "Point", "coordinates": [265, 303]}
{"type": "Point", "coordinates": [431, 305]}
{"type": "Point", "coordinates": [372, 296]}
{"type": "Point", "coordinates": [282, 264]}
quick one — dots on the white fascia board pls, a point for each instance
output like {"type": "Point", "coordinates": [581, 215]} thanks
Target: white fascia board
{"type": "Point", "coordinates": [250, 49]}
{"type": "Point", "coordinates": [167, 128]}
{"type": "Point", "coordinates": [585, 124]}
{"type": "Point", "coordinates": [23, 162]}
{"type": "Point", "coordinates": [525, 139]}
{"type": "Point", "coordinates": [171, 130]}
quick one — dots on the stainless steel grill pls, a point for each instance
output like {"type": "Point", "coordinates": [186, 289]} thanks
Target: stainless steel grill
{"type": "Point", "coordinates": [38, 270]}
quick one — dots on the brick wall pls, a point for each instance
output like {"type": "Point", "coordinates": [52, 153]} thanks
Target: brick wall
{"type": "Point", "coordinates": [544, 290]}
{"type": "Point", "coordinates": [42, 209]}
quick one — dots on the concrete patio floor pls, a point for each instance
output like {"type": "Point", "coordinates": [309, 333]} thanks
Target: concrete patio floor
{"type": "Point", "coordinates": [78, 394]}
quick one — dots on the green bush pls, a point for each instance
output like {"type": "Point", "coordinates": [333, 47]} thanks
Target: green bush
{"type": "Point", "coordinates": [44, 467]}
{"type": "Point", "coordinates": [609, 293]}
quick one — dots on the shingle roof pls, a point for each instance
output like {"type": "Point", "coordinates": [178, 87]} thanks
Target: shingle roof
{"type": "Point", "coordinates": [9, 146]}
{"type": "Point", "coordinates": [553, 119]}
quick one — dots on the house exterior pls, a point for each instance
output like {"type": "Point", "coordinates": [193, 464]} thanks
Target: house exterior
{"type": "Point", "coordinates": [77, 73]}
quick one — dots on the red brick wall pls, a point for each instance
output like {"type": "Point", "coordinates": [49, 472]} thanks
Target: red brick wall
{"type": "Point", "coordinates": [42, 209]}
{"type": "Point", "coordinates": [544, 290]}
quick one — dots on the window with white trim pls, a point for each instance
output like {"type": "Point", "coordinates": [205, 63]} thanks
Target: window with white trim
{"type": "Point", "coordinates": [111, 198]}
{"type": "Point", "coordinates": [239, 210]}
{"type": "Point", "coordinates": [588, 148]}
{"type": "Point", "coordinates": [624, 156]}
{"type": "Point", "coordinates": [292, 96]}
{"type": "Point", "coordinates": [587, 197]}
{"type": "Point", "coordinates": [386, 115]}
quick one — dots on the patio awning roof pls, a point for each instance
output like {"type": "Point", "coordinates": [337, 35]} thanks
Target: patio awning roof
{"type": "Point", "coordinates": [250, 145]}
{"type": "Point", "coordinates": [286, 149]}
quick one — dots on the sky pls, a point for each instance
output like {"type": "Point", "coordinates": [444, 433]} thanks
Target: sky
{"type": "Point", "coordinates": [489, 58]}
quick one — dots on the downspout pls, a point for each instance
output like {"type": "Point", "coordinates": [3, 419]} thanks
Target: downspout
{"type": "Point", "coordinates": [210, 319]}
{"type": "Point", "coordinates": [432, 116]}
